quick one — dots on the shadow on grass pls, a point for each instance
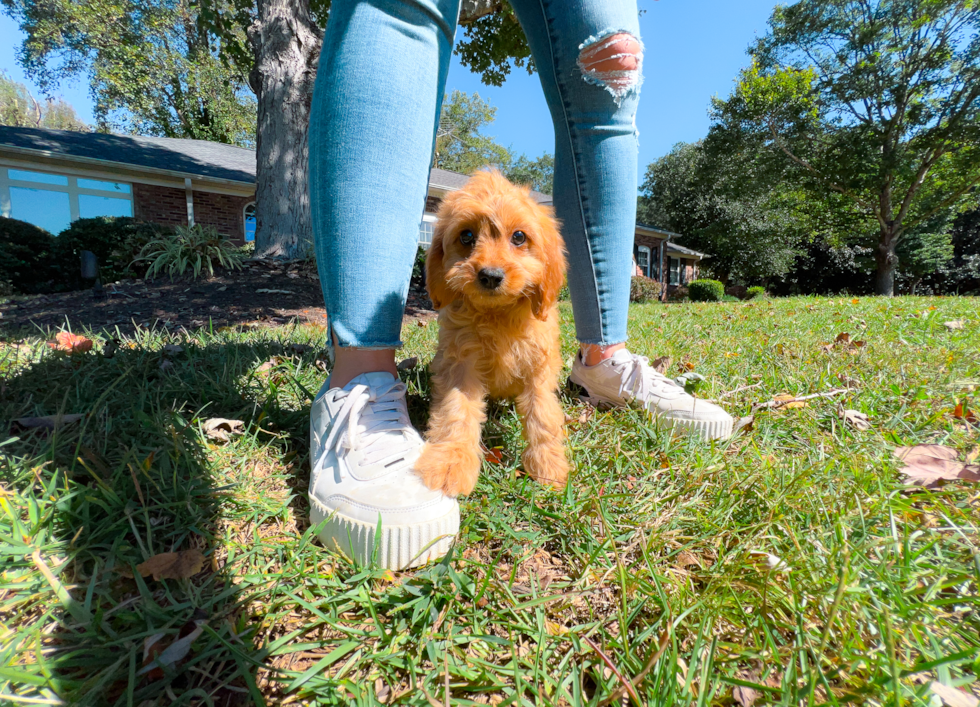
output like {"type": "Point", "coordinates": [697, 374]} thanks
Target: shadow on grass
{"type": "Point", "coordinates": [86, 503]}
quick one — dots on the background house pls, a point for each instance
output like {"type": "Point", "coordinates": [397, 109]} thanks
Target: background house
{"type": "Point", "coordinates": [657, 256]}
{"type": "Point", "coordinates": [52, 177]}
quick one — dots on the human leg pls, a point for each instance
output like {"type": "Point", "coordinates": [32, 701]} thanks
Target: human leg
{"type": "Point", "coordinates": [375, 108]}
{"type": "Point", "coordinates": [590, 61]}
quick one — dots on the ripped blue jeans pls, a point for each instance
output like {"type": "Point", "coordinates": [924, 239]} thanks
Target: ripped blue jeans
{"type": "Point", "coordinates": [375, 112]}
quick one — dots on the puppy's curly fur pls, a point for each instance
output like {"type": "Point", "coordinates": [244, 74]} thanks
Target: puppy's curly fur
{"type": "Point", "coordinates": [494, 270]}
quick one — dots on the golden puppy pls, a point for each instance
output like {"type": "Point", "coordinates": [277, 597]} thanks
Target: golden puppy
{"type": "Point", "coordinates": [494, 271]}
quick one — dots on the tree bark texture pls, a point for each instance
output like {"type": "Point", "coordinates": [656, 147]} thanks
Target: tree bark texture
{"type": "Point", "coordinates": [287, 44]}
{"type": "Point", "coordinates": [886, 261]}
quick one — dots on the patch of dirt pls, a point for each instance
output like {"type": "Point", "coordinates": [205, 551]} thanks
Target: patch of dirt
{"type": "Point", "coordinates": [264, 292]}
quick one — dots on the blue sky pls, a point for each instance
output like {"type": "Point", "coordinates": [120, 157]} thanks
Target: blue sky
{"type": "Point", "coordinates": [694, 50]}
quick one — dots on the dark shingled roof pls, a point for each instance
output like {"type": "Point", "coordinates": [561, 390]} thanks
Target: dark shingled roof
{"type": "Point", "coordinates": [191, 157]}
{"type": "Point", "coordinates": [195, 158]}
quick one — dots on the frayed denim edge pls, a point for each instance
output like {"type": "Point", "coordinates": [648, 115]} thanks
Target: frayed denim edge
{"type": "Point", "coordinates": [591, 78]}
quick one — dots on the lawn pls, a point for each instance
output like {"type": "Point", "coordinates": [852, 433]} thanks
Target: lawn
{"type": "Point", "coordinates": [790, 564]}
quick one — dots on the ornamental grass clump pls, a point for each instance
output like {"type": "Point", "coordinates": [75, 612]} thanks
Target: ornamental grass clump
{"type": "Point", "coordinates": [195, 248]}
{"type": "Point", "coordinates": [755, 293]}
{"type": "Point", "coordinates": [706, 291]}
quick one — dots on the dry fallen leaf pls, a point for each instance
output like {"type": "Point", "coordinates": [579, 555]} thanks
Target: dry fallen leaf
{"type": "Point", "coordinates": [172, 349]}
{"type": "Point", "coordinates": [843, 338]}
{"type": "Point", "coordinates": [221, 429]}
{"type": "Point", "coordinates": [661, 364]}
{"type": "Point", "coordinates": [172, 565]}
{"type": "Point", "coordinates": [166, 365]}
{"type": "Point", "coordinates": [745, 696]}
{"type": "Point", "coordinates": [789, 402]}
{"type": "Point", "coordinates": [408, 364]}
{"type": "Point", "coordinates": [961, 412]}
{"type": "Point", "coordinates": [955, 324]}
{"type": "Point", "coordinates": [857, 419]}
{"type": "Point", "coordinates": [686, 559]}
{"type": "Point", "coordinates": [47, 422]}
{"type": "Point", "coordinates": [422, 323]}
{"type": "Point", "coordinates": [158, 656]}
{"type": "Point", "coordinates": [72, 343]}
{"type": "Point", "coordinates": [744, 424]}
{"type": "Point", "coordinates": [495, 455]}
{"type": "Point", "coordinates": [932, 465]}
{"type": "Point", "coordinates": [953, 696]}
{"type": "Point", "coordinates": [110, 347]}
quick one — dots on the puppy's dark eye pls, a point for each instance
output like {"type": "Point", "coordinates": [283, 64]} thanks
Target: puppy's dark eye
{"type": "Point", "coordinates": [467, 237]}
{"type": "Point", "coordinates": [518, 238]}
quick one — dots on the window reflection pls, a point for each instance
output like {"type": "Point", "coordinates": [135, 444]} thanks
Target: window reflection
{"type": "Point", "coordinates": [91, 206]}
{"type": "Point", "coordinates": [49, 210]}
{"type": "Point", "coordinates": [42, 177]}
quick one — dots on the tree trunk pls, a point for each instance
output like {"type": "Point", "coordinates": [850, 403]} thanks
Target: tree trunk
{"type": "Point", "coordinates": [286, 43]}
{"type": "Point", "coordinates": [887, 262]}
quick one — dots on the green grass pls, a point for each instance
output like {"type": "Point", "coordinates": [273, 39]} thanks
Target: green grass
{"type": "Point", "coordinates": [653, 564]}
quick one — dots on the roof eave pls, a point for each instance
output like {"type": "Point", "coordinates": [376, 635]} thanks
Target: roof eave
{"type": "Point", "coordinates": [94, 161]}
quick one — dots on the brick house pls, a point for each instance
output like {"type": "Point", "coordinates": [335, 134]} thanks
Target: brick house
{"type": "Point", "coordinates": [52, 177]}
{"type": "Point", "coordinates": [657, 256]}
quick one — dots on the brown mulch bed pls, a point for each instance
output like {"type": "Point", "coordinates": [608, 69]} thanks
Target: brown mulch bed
{"type": "Point", "coordinates": [264, 292]}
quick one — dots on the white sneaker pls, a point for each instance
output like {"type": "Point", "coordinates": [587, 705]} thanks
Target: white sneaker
{"type": "Point", "coordinates": [362, 450]}
{"type": "Point", "coordinates": [628, 379]}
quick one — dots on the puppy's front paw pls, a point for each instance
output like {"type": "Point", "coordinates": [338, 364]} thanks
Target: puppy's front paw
{"type": "Point", "coordinates": [547, 464]}
{"type": "Point", "coordinates": [449, 468]}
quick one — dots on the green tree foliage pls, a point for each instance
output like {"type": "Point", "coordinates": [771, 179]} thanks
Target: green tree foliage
{"type": "Point", "coordinates": [462, 147]}
{"type": "Point", "coordinates": [19, 108]}
{"type": "Point", "coordinates": [153, 71]}
{"type": "Point", "coordinates": [726, 203]}
{"type": "Point", "coordinates": [876, 102]}
{"type": "Point", "coordinates": [493, 44]}
{"type": "Point", "coordinates": [539, 174]}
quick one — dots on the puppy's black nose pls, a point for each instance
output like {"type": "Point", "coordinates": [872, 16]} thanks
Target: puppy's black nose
{"type": "Point", "coordinates": [491, 278]}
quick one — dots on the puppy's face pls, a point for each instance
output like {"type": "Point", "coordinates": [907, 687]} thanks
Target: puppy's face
{"type": "Point", "coordinates": [495, 247]}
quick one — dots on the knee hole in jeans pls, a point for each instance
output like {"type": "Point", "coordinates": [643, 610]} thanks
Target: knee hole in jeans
{"type": "Point", "coordinates": [613, 60]}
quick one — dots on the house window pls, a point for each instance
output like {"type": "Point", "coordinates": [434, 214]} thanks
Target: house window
{"type": "Point", "coordinates": [643, 259]}
{"type": "Point", "coordinates": [52, 201]}
{"type": "Point", "coordinates": [250, 222]}
{"type": "Point", "coordinates": [676, 271]}
{"type": "Point", "coordinates": [426, 230]}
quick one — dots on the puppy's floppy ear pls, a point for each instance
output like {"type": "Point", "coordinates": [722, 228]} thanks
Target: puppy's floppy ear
{"type": "Point", "coordinates": [552, 246]}
{"type": "Point", "coordinates": [435, 272]}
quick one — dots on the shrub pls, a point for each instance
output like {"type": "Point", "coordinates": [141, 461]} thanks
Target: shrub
{"type": "Point", "coordinates": [644, 289]}
{"type": "Point", "coordinates": [196, 248]}
{"type": "Point", "coordinates": [730, 298]}
{"type": "Point", "coordinates": [26, 256]}
{"type": "Point", "coordinates": [755, 292]}
{"type": "Point", "coordinates": [706, 290]}
{"type": "Point", "coordinates": [418, 269]}
{"type": "Point", "coordinates": [114, 241]}
{"type": "Point", "coordinates": [678, 294]}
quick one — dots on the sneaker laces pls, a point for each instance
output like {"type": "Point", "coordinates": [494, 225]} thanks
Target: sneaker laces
{"type": "Point", "coordinates": [640, 381]}
{"type": "Point", "coordinates": [372, 413]}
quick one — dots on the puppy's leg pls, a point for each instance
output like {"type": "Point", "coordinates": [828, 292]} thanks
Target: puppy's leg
{"type": "Point", "coordinates": [544, 430]}
{"type": "Point", "coordinates": [450, 460]}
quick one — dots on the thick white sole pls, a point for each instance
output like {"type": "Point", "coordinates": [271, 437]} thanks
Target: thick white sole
{"type": "Point", "coordinates": [400, 547]}
{"type": "Point", "coordinates": [708, 429]}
